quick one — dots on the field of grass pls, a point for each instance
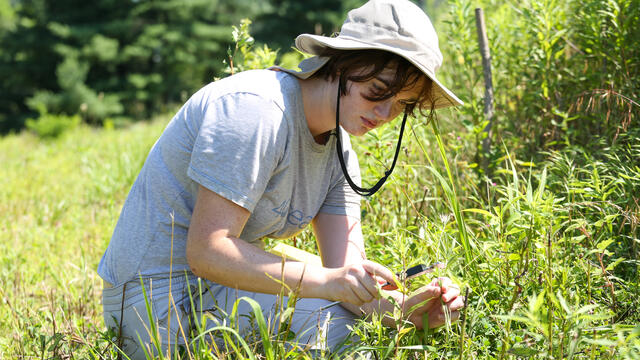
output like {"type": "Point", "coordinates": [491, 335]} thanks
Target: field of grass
{"type": "Point", "coordinates": [548, 252]}
{"type": "Point", "coordinates": [59, 201]}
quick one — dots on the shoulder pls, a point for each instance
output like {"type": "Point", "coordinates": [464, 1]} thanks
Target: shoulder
{"type": "Point", "coordinates": [263, 86]}
{"type": "Point", "coordinates": [253, 103]}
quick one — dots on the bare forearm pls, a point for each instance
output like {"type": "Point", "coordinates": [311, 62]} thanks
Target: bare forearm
{"type": "Point", "coordinates": [235, 263]}
{"type": "Point", "coordinates": [339, 240]}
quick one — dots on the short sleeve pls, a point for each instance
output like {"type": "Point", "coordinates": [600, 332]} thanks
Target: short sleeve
{"type": "Point", "coordinates": [239, 144]}
{"type": "Point", "coordinates": [341, 199]}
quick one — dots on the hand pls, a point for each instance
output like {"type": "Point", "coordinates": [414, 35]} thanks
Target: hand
{"type": "Point", "coordinates": [433, 300]}
{"type": "Point", "coordinates": [356, 284]}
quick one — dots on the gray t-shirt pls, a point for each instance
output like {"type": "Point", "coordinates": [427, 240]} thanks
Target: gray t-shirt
{"type": "Point", "coordinates": [245, 138]}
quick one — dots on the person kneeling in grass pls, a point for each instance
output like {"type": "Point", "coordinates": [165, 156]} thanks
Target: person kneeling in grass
{"type": "Point", "coordinates": [254, 156]}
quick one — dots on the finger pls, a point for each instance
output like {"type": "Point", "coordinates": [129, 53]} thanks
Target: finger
{"type": "Point", "coordinates": [423, 299]}
{"type": "Point", "coordinates": [444, 282]}
{"type": "Point", "coordinates": [456, 304]}
{"type": "Point", "coordinates": [437, 282]}
{"type": "Point", "coordinates": [368, 287]}
{"type": "Point", "coordinates": [378, 270]}
{"type": "Point", "coordinates": [361, 283]}
{"type": "Point", "coordinates": [438, 318]}
{"type": "Point", "coordinates": [356, 299]}
{"type": "Point", "coordinates": [427, 292]}
{"type": "Point", "coordinates": [448, 288]}
{"type": "Point", "coordinates": [455, 315]}
{"type": "Point", "coordinates": [450, 293]}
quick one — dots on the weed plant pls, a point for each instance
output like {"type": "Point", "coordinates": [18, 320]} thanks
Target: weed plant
{"type": "Point", "coordinates": [563, 71]}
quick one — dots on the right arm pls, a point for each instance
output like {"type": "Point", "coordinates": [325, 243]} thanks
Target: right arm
{"type": "Point", "coordinates": [215, 252]}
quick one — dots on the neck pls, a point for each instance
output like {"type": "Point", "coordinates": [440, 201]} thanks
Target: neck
{"type": "Point", "coordinates": [318, 98]}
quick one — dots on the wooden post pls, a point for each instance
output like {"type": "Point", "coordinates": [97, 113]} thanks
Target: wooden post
{"type": "Point", "coordinates": [483, 43]}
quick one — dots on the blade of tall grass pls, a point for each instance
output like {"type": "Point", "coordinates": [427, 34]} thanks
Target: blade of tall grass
{"type": "Point", "coordinates": [226, 329]}
{"type": "Point", "coordinates": [153, 327]}
{"type": "Point", "coordinates": [262, 326]}
{"type": "Point", "coordinates": [452, 196]}
{"type": "Point", "coordinates": [450, 192]}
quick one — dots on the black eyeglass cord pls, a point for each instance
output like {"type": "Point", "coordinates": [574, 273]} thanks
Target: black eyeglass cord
{"type": "Point", "coordinates": [359, 190]}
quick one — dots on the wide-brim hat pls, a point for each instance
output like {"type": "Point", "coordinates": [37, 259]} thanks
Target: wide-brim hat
{"type": "Point", "coordinates": [397, 26]}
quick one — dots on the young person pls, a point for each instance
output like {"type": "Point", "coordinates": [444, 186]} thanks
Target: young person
{"type": "Point", "coordinates": [254, 156]}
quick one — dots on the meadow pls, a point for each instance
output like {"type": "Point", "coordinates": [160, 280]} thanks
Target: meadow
{"type": "Point", "coordinates": [549, 258]}
{"type": "Point", "coordinates": [60, 200]}
{"type": "Point", "coordinates": [544, 240]}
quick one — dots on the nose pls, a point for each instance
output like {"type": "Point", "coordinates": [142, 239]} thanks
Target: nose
{"type": "Point", "coordinates": [383, 109]}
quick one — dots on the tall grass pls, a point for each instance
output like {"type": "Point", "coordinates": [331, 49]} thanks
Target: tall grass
{"type": "Point", "coordinates": [546, 287]}
{"type": "Point", "coordinates": [552, 267]}
{"type": "Point", "coordinates": [563, 71]}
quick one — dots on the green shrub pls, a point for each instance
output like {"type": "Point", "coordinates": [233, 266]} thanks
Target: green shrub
{"type": "Point", "coordinates": [52, 125]}
{"type": "Point", "coordinates": [563, 71]}
{"type": "Point", "coordinates": [244, 56]}
{"type": "Point", "coordinates": [75, 96]}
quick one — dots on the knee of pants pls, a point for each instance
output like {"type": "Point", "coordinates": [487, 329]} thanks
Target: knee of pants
{"type": "Point", "coordinates": [138, 334]}
{"type": "Point", "coordinates": [322, 330]}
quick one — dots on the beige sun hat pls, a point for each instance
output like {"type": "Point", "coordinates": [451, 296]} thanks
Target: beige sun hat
{"type": "Point", "coordinates": [397, 26]}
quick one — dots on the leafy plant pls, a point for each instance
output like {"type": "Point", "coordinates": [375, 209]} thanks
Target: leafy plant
{"type": "Point", "coordinates": [51, 126]}
{"type": "Point", "coordinates": [244, 56]}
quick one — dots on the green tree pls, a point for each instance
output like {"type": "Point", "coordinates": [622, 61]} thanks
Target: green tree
{"type": "Point", "coordinates": [109, 58]}
{"type": "Point", "coordinates": [7, 16]}
{"type": "Point", "coordinates": [176, 47]}
{"type": "Point", "coordinates": [27, 61]}
{"type": "Point", "coordinates": [285, 19]}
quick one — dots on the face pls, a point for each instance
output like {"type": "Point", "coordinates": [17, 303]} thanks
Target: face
{"type": "Point", "coordinates": [358, 115]}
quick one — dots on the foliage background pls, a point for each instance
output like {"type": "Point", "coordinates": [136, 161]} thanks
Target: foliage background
{"type": "Point", "coordinates": [127, 60]}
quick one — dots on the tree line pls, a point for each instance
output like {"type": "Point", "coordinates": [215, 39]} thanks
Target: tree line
{"type": "Point", "coordinates": [127, 60]}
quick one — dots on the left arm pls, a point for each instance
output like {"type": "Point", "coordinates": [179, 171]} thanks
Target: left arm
{"type": "Point", "coordinates": [340, 243]}
{"type": "Point", "coordinates": [339, 239]}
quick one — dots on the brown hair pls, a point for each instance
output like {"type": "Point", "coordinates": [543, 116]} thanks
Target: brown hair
{"type": "Point", "coordinates": [351, 63]}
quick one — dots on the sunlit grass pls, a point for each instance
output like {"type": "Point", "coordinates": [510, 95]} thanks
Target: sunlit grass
{"type": "Point", "coordinates": [59, 201]}
{"type": "Point", "coordinates": [550, 263]}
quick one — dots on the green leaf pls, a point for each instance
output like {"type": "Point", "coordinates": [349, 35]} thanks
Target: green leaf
{"type": "Point", "coordinates": [602, 342]}
{"type": "Point", "coordinates": [513, 257]}
{"type": "Point", "coordinates": [603, 244]}
{"type": "Point", "coordinates": [225, 329]}
{"type": "Point", "coordinates": [481, 211]}
{"type": "Point", "coordinates": [262, 326]}
{"type": "Point", "coordinates": [612, 265]}
{"type": "Point", "coordinates": [526, 351]}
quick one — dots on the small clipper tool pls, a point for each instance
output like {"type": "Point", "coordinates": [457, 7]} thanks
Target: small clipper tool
{"type": "Point", "coordinates": [412, 272]}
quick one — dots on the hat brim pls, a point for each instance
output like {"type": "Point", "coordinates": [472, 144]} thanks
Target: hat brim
{"type": "Point", "coordinates": [308, 67]}
{"type": "Point", "coordinates": [314, 44]}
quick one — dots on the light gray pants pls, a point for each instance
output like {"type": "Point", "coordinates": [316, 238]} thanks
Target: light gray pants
{"type": "Point", "coordinates": [179, 322]}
